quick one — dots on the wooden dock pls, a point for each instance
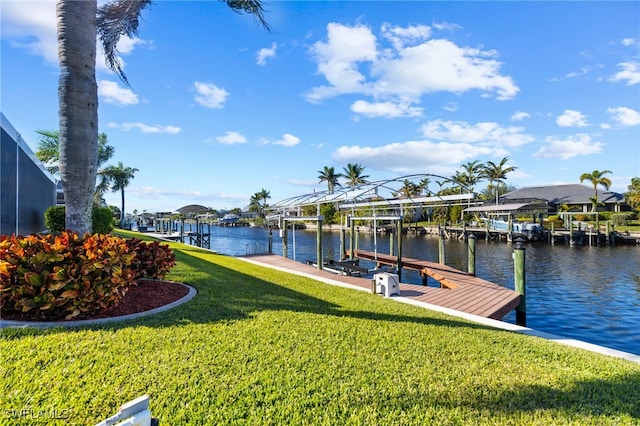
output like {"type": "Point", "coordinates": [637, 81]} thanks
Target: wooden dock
{"type": "Point", "coordinates": [460, 291]}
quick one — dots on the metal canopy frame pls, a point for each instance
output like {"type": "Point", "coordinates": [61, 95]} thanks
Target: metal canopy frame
{"type": "Point", "coordinates": [381, 195]}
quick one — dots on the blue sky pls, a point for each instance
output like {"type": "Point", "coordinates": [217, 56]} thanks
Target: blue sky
{"type": "Point", "coordinates": [219, 108]}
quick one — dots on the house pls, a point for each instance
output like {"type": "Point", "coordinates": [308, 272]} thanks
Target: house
{"type": "Point", "coordinates": [576, 197]}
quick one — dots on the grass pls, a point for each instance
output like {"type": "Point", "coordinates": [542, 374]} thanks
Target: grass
{"type": "Point", "coordinates": [258, 346]}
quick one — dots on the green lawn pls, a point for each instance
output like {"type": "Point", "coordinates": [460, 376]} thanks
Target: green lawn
{"type": "Point", "coordinates": [258, 347]}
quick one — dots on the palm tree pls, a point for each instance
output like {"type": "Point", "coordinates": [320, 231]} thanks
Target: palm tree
{"type": "Point", "coordinates": [409, 189]}
{"type": "Point", "coordinates": [497, 173]}
{"type": "Point", "coordinates": [119, 177]}
{"type": "Point", "coordinates": [78, 25]}
{"type": "Point", "coordinates": [633, 196]}
{"type": "Point", "coordinates": [49, 149]}
{"type": "Point", "coordinates": [424, 185]}
{"type": "Point", "coordinates": [473, 172]}
{"type": "Point", "coordinates": [353, 174]}
{"type": "Point", "coordinates": [461, 179]}
{"type": "Point", "coordinates": [258, 201]}
{"type": "Point", "coordinates": [78, 109]}
{"type": "Point", "coordinates": [329, 175]}
{"type": "Point", "coordinates": [596, 178]}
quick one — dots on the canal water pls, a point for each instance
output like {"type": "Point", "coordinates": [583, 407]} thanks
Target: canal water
{"type": "Point", "coordinates": [586, 293]}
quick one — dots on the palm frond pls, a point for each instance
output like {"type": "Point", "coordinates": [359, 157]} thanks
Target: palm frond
{"type": "Point", "coordinates": [252, 7]}
{"type": "Point", "coordinates": [115, 19]}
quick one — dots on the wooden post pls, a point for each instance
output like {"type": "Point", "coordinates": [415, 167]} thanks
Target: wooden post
{"type": "Point", "coordinates": [520, 285]}
{"type": "Point", "coordinates": [270, 243]}
{"type": "Point", "coordinates": [441, 254]}
{"type": "Point", "coordinates": [352, 238]}
{"type": "Point", "coordinates": [391, 243]}
{"type": "Point", "coordinates": [319, 256]}
{"type": "Point", "coordinates": [182, 230]}
{"type": "Point", "coordinates": [342, 238]}
{"type": "Point", "coordinates": [283, 234]}
{"type": "Point", "coordinates": [471, 260]}
{"type": "Point", "coordinates": [552, 239]}
{"type": "Point", "coordinates": [597, 229]}
{"type": "Point", "coordinates": [487, 236]}
{"type": "Point", "coordinates": [571, 241]}
{"type": "Point", "coordinates": [399, 237]}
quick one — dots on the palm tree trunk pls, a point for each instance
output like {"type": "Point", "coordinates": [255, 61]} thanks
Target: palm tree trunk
{"type": "Point", "coordinates": [122, 211]}
{"type": "Point", "coordinates": [78, 109]}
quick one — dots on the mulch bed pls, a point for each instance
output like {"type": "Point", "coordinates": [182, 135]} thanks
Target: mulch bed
{"type": "Point", "coordinates": [141, 297]}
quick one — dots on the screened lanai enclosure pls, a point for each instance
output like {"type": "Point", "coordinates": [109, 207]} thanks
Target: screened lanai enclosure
{"type": "Point", "coordinates": [27, 189]}
{"type": "Point", "coordinates": [374, 206]}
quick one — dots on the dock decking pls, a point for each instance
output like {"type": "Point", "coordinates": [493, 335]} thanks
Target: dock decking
{"type": "Point", "coordinates": [460, 291]}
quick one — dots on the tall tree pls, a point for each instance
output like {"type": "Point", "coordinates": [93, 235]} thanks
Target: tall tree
{"type": "Point", "coordinates": [596, 178]}
{"type": "Point", "coordinates": [119, 177]}
{"type": "Point", "coordinates": [353, 173]}
{"type": "Point", "coordinates": [49, 149]}
{"type": "Point", "coordinates": [473, 173]}
{"type": "Point", "coordinates": [78, 25]}
{"type": "Point", "coordinates": [78, 109]}
{"type": "Point", "coordinates": [329, 175]}
{"type": "Point", "coordinates": [258, 202]}
{"type": "Point", "coordinates": [633, 196]}
{"type": "Point", "coordinates": [497, 173]}
{"type": "Point", "coordinates": [424, 185]}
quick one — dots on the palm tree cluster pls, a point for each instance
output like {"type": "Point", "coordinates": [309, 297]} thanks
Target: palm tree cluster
{"type": "Point", "coordinates": [114, 178]}
{"type": "Point", "coordinates": [258, 202]}
{"type": "Point", "coordinates": [467, 178]}
{"type": "Point", "coordinates": [352, 173]}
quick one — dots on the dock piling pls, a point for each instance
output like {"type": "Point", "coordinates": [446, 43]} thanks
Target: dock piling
{"type": "Point", "coordinates": [471, 261]}
{"type": "Point", "coordinates": [520, 285]}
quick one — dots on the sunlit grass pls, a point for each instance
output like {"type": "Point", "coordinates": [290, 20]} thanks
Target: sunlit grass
{"type": "Point", "coordinates": [258, 346]}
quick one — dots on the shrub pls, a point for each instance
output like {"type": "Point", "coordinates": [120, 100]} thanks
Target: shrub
{"type": "Point", "coordinates": [54, 219]}
{"type": "Point", "coordinates": [556, 220]}
{"type": "Point", "coordinates": [101, 217]}
{"type": "Point", "coordinates": [152, 260]}
{"type": "Point", "coordinates": [621, 219]}
{"type": "Point", "coordinates": [604, 215]}
{"type": "Point", "coordinates": [51, 277]}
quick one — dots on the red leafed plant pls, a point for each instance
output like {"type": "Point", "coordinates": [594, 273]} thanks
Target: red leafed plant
{"type": "Point", "coordinates": [153, 260]}
{"type": "Point", "coordinates": [50, 277]}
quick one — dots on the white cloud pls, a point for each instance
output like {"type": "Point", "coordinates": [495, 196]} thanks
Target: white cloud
{"type": "Point", "coordinates": [265, 53]}
{"type": "Point", "coordinates": [630, 42]}
{"type": "Point", "coordinates": [385, 109]}
{"type": "Point", "coordinates": [145, 128]}
{"type": "Point", "coordinates": [112, 93]}
{"type": "Point", "coordinates": [209, 95]}
{"type": "Point", "coordinates": [571, 118]}
{"type": "Point", "coordinates": [31, 25]}
{"type": "Point", "coordinates": [287, 140]}
{"type": "Point", "coordinates": [399, 36]}
{"type": "Point", "coordinates": [412, 156]}
{"type": "Point", "coordinates": [625, 116]}
{"type": "Point", "coordinates": [231, 138]}
{"type": "Point", "coordinates": [520, 115]}
{"type": "Point", "coordinates": [484, 133]}
{"type": "Point", "coordinates": [338, 59]}
{"type": "Point", "coordinates": [450, 106]}
{"type": "Point", "coordinates": [353, 60]}
{"type": "Point", "coordinates": [630, 73]}
{"type": "Point", "coordinates": [573, 146]}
